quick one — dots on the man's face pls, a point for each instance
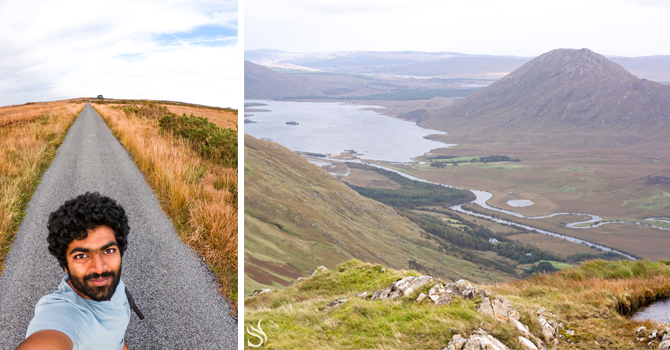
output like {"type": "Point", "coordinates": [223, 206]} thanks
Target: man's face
{"type": "Point", "coordinates": [94, 264]}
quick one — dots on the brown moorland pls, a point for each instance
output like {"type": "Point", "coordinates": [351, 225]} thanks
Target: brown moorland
{"type": "Point", "coordinates": [29, 137]}
{"type": "Point", "coordinates": [199, 195]}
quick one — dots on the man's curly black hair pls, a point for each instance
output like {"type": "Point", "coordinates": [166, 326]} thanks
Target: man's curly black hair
{"type": "Point", "coordinates": [75, 217]}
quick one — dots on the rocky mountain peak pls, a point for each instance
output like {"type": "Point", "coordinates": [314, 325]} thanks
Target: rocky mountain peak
{"type": "Point", "coordinates": [564, 90]}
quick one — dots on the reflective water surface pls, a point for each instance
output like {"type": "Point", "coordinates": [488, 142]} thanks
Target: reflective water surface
{"type": "Point", "coordinates": [331, 128]}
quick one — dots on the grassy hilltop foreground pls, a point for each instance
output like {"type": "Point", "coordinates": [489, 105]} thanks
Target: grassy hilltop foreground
{"type": "Point", "coordinates": [589, 306]}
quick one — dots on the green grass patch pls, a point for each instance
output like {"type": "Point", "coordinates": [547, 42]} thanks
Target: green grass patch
{"type": "Point", "coordinates": [569, 189]}
{"type": "Point", "coordinates": [658, 201]}
{"type": "Point", "coordinates": [413, 194]}
{"type": "Point", "coordinates": [208, 139]}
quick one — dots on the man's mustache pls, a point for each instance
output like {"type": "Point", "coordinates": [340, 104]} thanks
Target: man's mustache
{"type": "Point", "coordinates": [99, 275]}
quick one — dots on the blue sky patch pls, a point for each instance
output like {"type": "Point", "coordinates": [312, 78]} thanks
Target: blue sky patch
{"type": "Point", "coordinates": [207, 35]}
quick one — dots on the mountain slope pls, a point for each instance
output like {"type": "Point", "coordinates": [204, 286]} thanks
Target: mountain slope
{"type": "Point", "coordinates": [565, 91]}
{"type": "Point", "coordinates": [265, 83]}
{"type": "Point", "coordinates": [298, 217]}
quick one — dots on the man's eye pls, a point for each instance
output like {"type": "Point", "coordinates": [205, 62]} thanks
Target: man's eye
{"type": "Point", "coordinates": [110, 250]}
{"type": "Point", "coordinates": [80, 256]}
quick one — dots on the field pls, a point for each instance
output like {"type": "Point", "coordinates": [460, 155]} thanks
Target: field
{"type": "Point", "coordinates": [198, 193]}
{"type": "Point", "coordinates": [29, 137]}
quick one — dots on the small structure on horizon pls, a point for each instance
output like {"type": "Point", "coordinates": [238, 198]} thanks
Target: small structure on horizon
{"type": "Point", "coordinates": [100, 97]}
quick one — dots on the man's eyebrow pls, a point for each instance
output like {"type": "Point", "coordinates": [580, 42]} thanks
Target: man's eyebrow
{"type": "Point", "coordinates": [87, 250]}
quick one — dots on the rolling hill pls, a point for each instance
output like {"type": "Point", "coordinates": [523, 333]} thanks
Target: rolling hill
{"type": "Point", "coordinates": [265, 83]}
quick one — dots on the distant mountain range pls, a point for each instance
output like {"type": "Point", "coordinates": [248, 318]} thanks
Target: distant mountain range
{"type": "Point", "coordinates": [433, 64]}
{"type": "Point", "coordinates": [563, 91]}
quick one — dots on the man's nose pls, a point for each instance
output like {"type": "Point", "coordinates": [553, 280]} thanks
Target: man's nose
{"type": "Point", "coordinates": [99, 265]}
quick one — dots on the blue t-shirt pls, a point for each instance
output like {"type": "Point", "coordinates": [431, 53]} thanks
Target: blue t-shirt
{"type": "Point", "coordinates": [89, 324]}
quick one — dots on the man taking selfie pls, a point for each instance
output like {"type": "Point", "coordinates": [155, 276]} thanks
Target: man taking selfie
{"type": "Point", "coordinates": [89, 310]}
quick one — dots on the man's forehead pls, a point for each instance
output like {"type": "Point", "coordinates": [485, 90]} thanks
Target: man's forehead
{"type": "Point", "coordinates": [97, 238]}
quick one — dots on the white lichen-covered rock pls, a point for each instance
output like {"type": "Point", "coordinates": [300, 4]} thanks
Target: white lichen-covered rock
{"type": "Point", "coordinates": [420, 298]}
{"type": "Point", "coordinates": [549, 327]}
{"type": "Point", "coordinates": [439, 295]}
{"type": "Point", "coordinates": [335, 303]}
{"type": "Point", "coordinates": [478, 340]}
{"type": "Point", "coordinates": [319, 270]}
{"type": "Point", "coordinates": [665, 342]}
{"type": "Point", "coordinates": [362, 294]}
{"type": "Point", "coordinates": [526, 344]}
{"type": "Point", "coordinates": [499, 308]}
{"type": "Point", "coordinates": [261, 291]}
{"type": "Point", "coordinates": [402, 287]}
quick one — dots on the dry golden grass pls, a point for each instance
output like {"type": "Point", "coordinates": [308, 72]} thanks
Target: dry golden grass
{"type": "Point", "coordinates": [29, 137]}
{"type": "Point", "coordinates": [594, 299]}
{"type": "Point", "coordinates": [198, 195]}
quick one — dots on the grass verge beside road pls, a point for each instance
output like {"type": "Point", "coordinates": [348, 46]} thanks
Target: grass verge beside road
{"type": "Point", "coordinates": [29, 137]}
{"type": "Point", "coordinates": [197, 193]}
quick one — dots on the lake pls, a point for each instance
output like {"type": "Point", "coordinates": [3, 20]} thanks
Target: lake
{"type": "Point", "coordinates": [332, 128]}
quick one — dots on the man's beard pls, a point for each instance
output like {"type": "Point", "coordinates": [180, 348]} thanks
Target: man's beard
{"type": "Point", "coordinates": [101, 293]}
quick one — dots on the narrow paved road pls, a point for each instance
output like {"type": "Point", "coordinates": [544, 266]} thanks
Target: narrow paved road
{"type": "Point", "coordinates": [172, 286]}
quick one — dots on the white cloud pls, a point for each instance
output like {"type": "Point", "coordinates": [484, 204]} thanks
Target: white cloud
{"type": "Point", "coordinates": [513, 27]}
{"type": "Point", "coordinates": [64, 49]}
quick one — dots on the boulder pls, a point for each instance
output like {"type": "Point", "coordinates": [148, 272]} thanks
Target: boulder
{"type": "Point", "coordinates": [362, 294]}
{"type": "Point", "coordinates": [478, 340]}
{"type": "Point", "coordinates": [439, 295]}
{"type": "Point", "coordinates": [401, 287]}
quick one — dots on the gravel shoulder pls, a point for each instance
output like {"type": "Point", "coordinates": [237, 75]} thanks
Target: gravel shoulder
{"type": "Point", "coordinates": [172, 286]}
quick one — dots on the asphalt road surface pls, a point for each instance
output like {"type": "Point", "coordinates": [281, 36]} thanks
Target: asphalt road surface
{"type": "Point", "coordinates": [170, 283]}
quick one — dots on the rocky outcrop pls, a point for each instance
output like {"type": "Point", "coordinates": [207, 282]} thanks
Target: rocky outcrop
{"type": "Point", "coordinates": [498, 308]}
{"type": "Point", "coordinates": [402, 287]}
{"type": "Point", "coordinates": [439, 295]}
{"type": "Point", "coordinates": [478, 340]}
{"type": "Point", "coordinates": [549, 327]}
{"type": "Point", "coordinates": [526, 344]}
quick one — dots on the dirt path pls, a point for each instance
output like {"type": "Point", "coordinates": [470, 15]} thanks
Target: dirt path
{"type": "Point", "coordinates": [172, 286]}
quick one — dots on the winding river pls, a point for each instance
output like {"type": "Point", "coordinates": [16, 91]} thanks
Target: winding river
{"type": "Point", "coordinates": [482, 197]}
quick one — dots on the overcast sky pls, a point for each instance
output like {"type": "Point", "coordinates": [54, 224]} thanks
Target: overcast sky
{"type": "Point", "coordinates": [512, 27]}
{"type": "Point", "coordinates": [182, 50]}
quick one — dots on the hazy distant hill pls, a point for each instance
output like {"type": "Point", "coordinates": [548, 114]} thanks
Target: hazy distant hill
{"type": "Point", "coordinates": [298, 217]}
{"type": "Point", "coordinates": [656, 68]}
{"type": "Point", "coordinates": [563, 91]}
{"type": "Point", "coordinates": [487, 67]}
{"type": "Point", "coordinates": [265, 83]}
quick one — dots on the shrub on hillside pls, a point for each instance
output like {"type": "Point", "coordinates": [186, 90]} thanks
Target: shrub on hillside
{"type": "Point", "coordinates": [150, 110]}
{"type": "Point", "coordinates": [208, 139]}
